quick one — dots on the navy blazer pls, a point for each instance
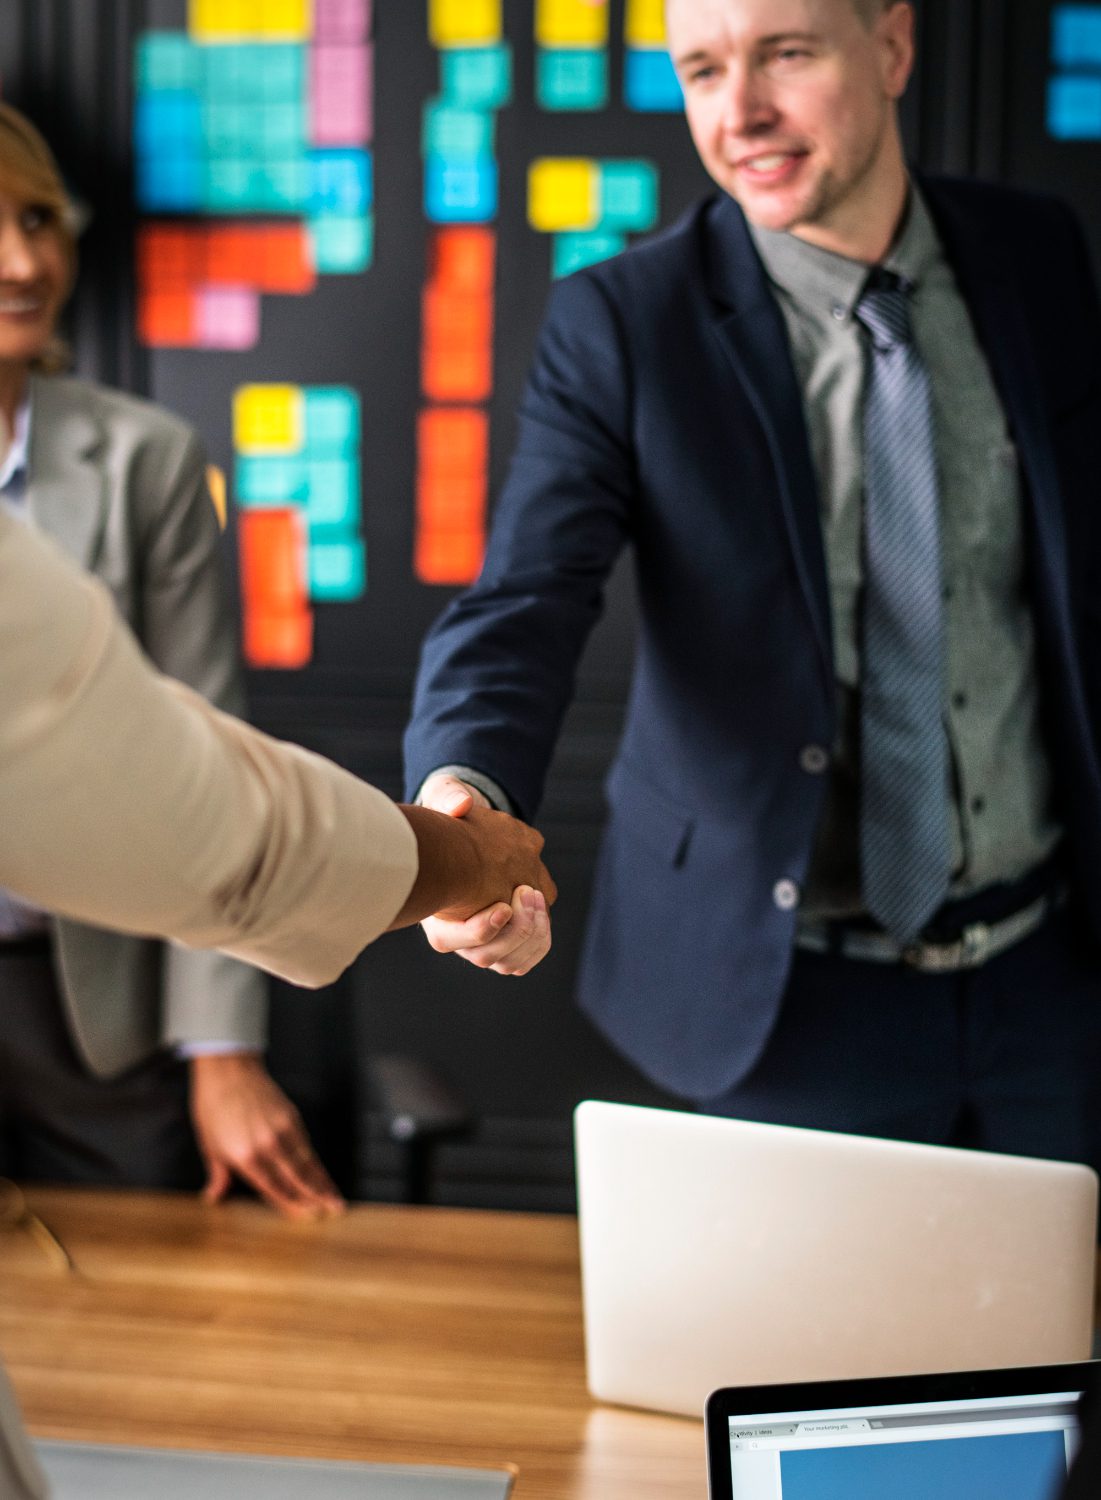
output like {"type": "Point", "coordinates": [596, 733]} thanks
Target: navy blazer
{"type": "Point", "coordinates": [663, 410]}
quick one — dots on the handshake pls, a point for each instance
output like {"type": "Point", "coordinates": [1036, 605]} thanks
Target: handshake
{"type": "Point", "coordinates": [482, 890]}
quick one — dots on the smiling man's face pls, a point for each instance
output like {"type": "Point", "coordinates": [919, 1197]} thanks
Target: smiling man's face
{"type": "Point", "coordinates": [791, 104]}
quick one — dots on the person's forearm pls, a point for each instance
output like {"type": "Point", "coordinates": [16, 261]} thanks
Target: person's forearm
{"type": "Point", "coordinates": [467, 863]}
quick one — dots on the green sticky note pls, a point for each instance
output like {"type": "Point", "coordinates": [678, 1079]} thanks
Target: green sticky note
{"type": "Point", "coordinates": [573, 251]}
{"type": "Point", "coordinates": [571, 79]}
{"type": "Point", "coordinates": [477, 77]}
{"type": "Point", "coordinates": [628, 196]}
{"type": "Point", "coordinates": [456, 134]}
{"type": "Point", "coordinates": [342, 245]}
{"type": "Point", "coordinates": [338, 569]}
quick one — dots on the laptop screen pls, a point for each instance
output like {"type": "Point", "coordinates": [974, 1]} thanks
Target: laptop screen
{"type": "Point", "coordinates": [1003, 1446]}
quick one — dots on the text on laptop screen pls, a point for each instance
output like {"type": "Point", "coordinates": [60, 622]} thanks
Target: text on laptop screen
{"type": "Point", "coordinates": [1004, 1448]}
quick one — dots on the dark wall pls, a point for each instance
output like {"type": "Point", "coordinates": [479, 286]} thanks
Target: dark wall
{"type": "Point", "coordinates": [517, 1049]}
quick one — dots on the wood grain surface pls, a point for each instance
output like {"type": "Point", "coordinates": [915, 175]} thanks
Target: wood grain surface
{"type": "Point", "coordinates": [397, 1335]}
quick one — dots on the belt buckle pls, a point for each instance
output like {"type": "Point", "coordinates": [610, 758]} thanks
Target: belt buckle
{"type": "Point", "coordinates": [967, 952]}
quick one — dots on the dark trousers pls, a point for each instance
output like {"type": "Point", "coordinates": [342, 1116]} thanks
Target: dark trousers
{"type": "Point", "coordinates": [1006, 1057]}
{"type": "Point", "coordinates": [59, 1123]}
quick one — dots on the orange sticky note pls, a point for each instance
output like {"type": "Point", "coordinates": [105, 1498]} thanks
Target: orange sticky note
{"type": "Point", "coordinates": [453, 439]}
{"type": "Point", "coordinates": [167, 319]}
{"type": "Point", "coordinates": [285, 260]}
{"type": "Point", "coordinates": [232, 252]}
{"type": "Point", "coordinates": [272, 549]}
{"type": "Point", "coordinates": [457, 373]}
{"type": "Point", "coordinates": [464, 258]}
{"type": "Point", "coordinates": [448, 557]}
{"type": "Point", "coordinates": [455, 502]}
{"type": "Point", "coordinates": [278, 640]}
{"type": "Point", "coordinates": [170, 258]}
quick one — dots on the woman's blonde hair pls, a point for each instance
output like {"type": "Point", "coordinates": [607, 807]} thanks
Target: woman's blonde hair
{"type": "Point", "coordinates": [29, 173]}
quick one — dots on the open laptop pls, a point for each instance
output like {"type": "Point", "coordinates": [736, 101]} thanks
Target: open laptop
{"type": "Point", "coordinates": [986, 1435]}
{"type": "Point", "coordinates": [715, 1251]}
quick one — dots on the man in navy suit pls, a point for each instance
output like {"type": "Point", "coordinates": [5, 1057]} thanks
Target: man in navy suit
{"type": "Point", "coordinates": [849, 422]}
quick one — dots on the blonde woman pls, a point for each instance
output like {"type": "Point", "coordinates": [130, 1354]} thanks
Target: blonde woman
{"type": "Point", "coordinates": [122, 1060]}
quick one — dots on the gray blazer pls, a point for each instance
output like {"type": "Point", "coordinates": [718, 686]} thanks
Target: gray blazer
{"type": "Point", "coordinates": [120, 485]}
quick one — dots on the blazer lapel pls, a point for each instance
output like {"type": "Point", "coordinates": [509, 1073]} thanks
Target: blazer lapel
{"type": "Point", "coordinates": [67, 493]}
{"type": "Point", "coordinates": [986, 279]}
{"type": "Point", "coordinates": [751, 329]}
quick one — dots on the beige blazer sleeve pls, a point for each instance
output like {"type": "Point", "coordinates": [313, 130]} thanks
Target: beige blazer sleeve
{"type": "Point", "coordinates": [127, 801]}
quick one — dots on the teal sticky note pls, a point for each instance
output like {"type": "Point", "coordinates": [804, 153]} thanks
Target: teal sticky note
{"type": "Point", "coordinates": [269, 481]}
{"type": "Point", "coordinates": [343, 244]}
{"type": "Point", "coordinates": [283, 128]}
{"type": "Point", "coordinates": [232, 73]}
{"type": "Point", "coordinates": [232, 130]}
{"type": "Point", "coordinates": [167, 60]}
{"type": "Point", "coordinates": [234, 185]}
{"type": "Point", "coordinates": [332, 421]}
{"type": "Point", "coordinates": [574, 251]}
{"type": "Point", "coordinates": [281, 74]}
{"type": "Point", "coordinates": [338, 570]}
{"type": "Point", "coordinates": [456, 134]}
{"type": "Point", "coordinates": [571, 79]}
{"type": "Point", "coordinates": [285, 184]}
{"type": "Point", "coordinates": [477, 77]}
{"type": "Point", "coordinates": [628, 195]}
{"type": "Point", "coordinates": [332, 493]}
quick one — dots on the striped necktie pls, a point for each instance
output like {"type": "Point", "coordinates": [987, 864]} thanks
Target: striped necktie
{"type": "Point", "coordinates": [904, 841]}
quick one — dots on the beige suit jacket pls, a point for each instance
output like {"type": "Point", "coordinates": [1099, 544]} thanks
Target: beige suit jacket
{"type": "Point", "coordinates": [125, 799]}
{"type": "Point", "coordinates": [120, 485]}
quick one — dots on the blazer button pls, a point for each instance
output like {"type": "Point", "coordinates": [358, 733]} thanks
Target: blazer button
{"type": "Point", "coordinates": [814, 759]}
{"type": "Point", "coordinates": [785, 893]}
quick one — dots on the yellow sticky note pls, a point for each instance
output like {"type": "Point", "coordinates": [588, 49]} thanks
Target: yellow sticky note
{"type": "Point", "coordinates": [464, 23]}
{"type": "Point", "coordinates": [571, 23]}
{"type": "Point", "coordinates": [268, 419]}
{"type": "Point", "coordinates": [645, 23]}
{"type": "Point", "coordinates": [224, 20]}
{"type": "Point", "coordinates": [563, 193]}
{"type": "Point", "coordinates": [286, 20]}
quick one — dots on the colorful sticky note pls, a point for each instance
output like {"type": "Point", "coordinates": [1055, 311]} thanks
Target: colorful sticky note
{"type": "Point", "coordinates": [572, 252]}
{"type": "Point", "coordinates": [268, 419]}
{"type": "Point", "coordinates": [628, 196]}
{"type": "Point", "coordinates": [464, 23]}
{"type": "Point", "coordinates": [1074, 109]}
{"type": "Point", "coordinates": [289, 20]}
{"type": "Point", "coordinates": [341, 182]}
{"type": "Point", "coordinates": [227, 317]}
{"type": "Point", "coordinates": [337, 569]}
{"type": "Point", "coordinates": [341, 96]}
{"type": "Point", "coordinates": [563, 193]}
{"type": "Point", "coordinates": [341, 244]}
{"type": "Point", "coordinates": [332, 416]}
{"type": "Point", "coordinates": [573, 78]}
{"type": "Point", "coordinates": [283, 639]}
{"type": "Point", "coordinates": [453, 440]}
{"type": "Point", "coordinates": [341, 20]}
{"type": "Point", "coordinates": [167, 60]}
{"type": "Point", "coordinates": [644, 23]}
{"type": "Point", "coordinates": [448, 557]}
{"type": "Point", "coordinates": [168, 121]}
{"type": "Point", "coordinates": [167, 319]}
{"type": "Point", "coordinates": [477, 77]}
{"type": "Point", "coordinates": [332, 493]}
{"type": "Point", "coordinates": [456, 134]}
{"type": "Point", "coordinates": [283, 260]}
{"type": "Point", "coordinates": [650, 82]}
{"type": "Point", "coordinates": [170, 257]}
{"type": "Point", "coordinates": [464, 258]}
{"type": "Point", "coordinates": [460, 192]}
{"type": "Point", "coordinates": [169, 184]}
{"type": "Point", "coordinates": [222, 20]}
{"type": "Point", "coordinates": [457, 372]}
{"type": "Point", "coordinates": [272, 546]}
{"type": "Point", "coordinates": [269, 482]}
{"type": "Point", "coordinates": [453, 317]}
{"type": "Point", "coordinates": [571, 23]}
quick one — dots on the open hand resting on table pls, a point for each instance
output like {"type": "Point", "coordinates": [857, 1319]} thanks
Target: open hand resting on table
{"type": "Point", "coordinates": [508, 936]}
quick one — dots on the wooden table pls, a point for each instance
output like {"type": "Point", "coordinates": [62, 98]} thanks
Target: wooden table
{"type": "Point", "coordinates": [398, 1335]}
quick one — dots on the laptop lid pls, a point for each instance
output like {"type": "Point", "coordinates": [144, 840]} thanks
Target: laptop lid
{"type": "Point", "coordinates": [985, 1435]}
{"type": "Point", "coordinates": [716, 1251]}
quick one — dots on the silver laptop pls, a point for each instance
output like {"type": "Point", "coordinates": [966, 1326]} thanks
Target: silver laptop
{"type": "Point", "coordinates": [983, 1435]}
{"type": "Point", "coordinates": [716, 1252]}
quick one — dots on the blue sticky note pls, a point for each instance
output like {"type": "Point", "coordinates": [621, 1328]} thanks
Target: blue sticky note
{"type": "Point", "coordinates": [342, 244]}
{"type": "Point", "coordinates": [337, 569]}
{"type": "Point", "coordinates": [1074, 109]}
{"type": "Point", "coordinates": [571, 78]}
{"type": "Point", "coordinates": [650, 81]}
{"type": "Point", "coordinates": [167, 60]}
{"type": "Point", "coordinates": [463, 192]}
{"type": "Point", "coordinates": [477, 77]}
{"type": "Point", "coordinates": [269, 480]}
{"type": "Point", "coordinates": [628, 196]}
{"type": "Point", "coordinates": [168, 120]}
{"type": "Point", "coordinates": [332, 420]}
{"type": "Point", "coordinates": [169, 184]}
{"type": "Point", "coordinates": [573, 251]}
{"type": "Point", "coordinates": [332, 495]}
{"type": "Point", "coordinates": [341, 182]}
{"type": "Point", "coordinates": [1076, 36]}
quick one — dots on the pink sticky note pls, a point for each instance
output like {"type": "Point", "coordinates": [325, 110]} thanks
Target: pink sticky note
{"type": "Point", "coordinates": [341, 95]}
{"type": "Point", "coordinates": [228, 317]}
{"type": "Point", "coordinates": [341, 20]}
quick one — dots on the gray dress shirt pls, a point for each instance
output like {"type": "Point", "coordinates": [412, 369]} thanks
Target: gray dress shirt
{"type": "Point", "coordinates": [999, 792]}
